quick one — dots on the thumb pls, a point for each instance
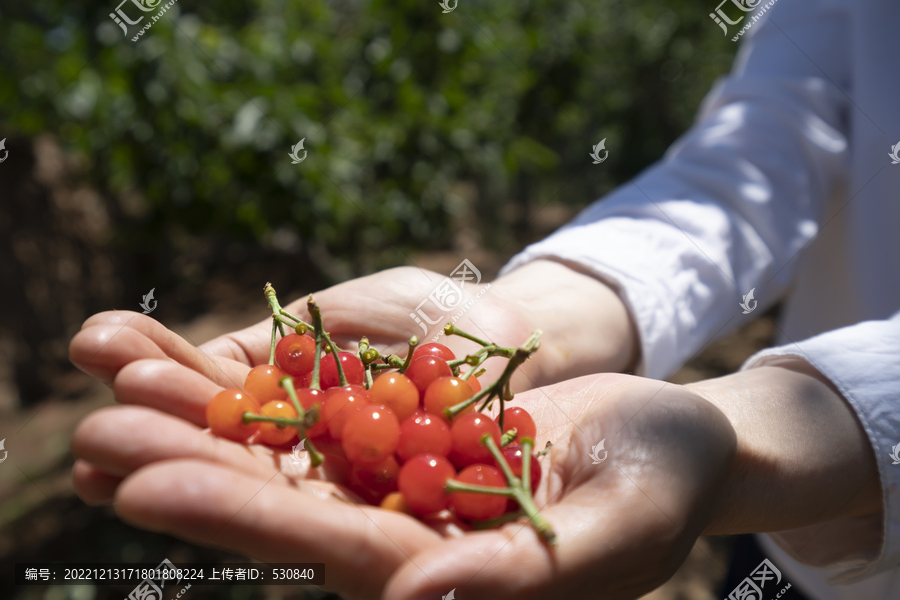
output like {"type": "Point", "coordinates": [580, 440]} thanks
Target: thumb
{"type": "Point", "coordinates": [507, 563]}
{"type": "Point", "coordinates": [614, 542]}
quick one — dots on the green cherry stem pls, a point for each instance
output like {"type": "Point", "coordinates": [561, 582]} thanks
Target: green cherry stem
{"type": "Point", "coordinates": [474, 367]}
{"type": "Point", "coordinates": [511, 478]}
{"type": "Point", "coordinates": [451, 412]}
{"type": "Point", "coordinates": [413, 342]}
{"type": "Point", "coordinates": [316, 314]}
{"type": "Point", "coordinates": [382, 367]}
{"type": "Point", "coordinates": [458, 486]}
{"type": "Point", "coordinates": [287, 382]}
{"type": "Point", "coordinates": [272, 346]}
{"type": "Point", "coordinates": [546, 449]}
{"type": "Point", "coordinates": [269, 291]}
{"type": "Point", "coordinates": [282, 316]}
{"type": "Point", "coordinates": [309, 418]}
{"type": "Point", "coordinates": [521, 488]}
{"type": "Point", "coordinates": [451, 329]}
{"type": "Point", "coordinates": [281, 422]}
{"type": "Point", "coordinates": [497, 521]}
{"type": "Point", "coordinates": [508, 438]}
{"type": "Point", "coordinates": [500, 388]}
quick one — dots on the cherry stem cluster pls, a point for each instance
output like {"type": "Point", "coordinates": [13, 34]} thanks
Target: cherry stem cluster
{"type": "Point", "coordinates": [280, 318]}
{"type": "Point", "coordinates": [501, 387]}
{"type": "Point", "coordinates": [519, 489]}
{"type": "Point", "coordinates": [322, 337]}
{"type": "Point", "coordinates": [303, 421]}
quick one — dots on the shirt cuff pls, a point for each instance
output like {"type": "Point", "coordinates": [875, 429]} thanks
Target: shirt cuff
{"type": "Point", "coordinates": [644, 261]}
{"type": "Point", "coordinates": [863, 362]}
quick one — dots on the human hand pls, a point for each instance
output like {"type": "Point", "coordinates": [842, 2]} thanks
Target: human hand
{"type": "Point", "coordinates": [624, 525]}
{"type": "Point", "coordinates": [586, 328]}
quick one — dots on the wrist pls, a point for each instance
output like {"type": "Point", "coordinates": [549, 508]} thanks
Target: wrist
{"type": "Point", "coordinates": [586, 326]}
{"type": "Point", "coordinates": [802, 455]}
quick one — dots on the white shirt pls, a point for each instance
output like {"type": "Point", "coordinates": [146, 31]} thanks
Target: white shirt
{"type": "Point", "coordinates": [783, 186]}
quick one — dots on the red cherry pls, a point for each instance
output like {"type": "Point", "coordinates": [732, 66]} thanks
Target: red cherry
{"type": "Point", "coordinates": [474, 506]}
{"type": "Point", "coordinates": [373, 483]}
{"type": "Point", "coordinates": [422, 371]}
{"type": "Point", "coordinates": [513, 455]}
{"type": "Point", "coordinates": [371, 434]}
{"type": "Point", "coordinates": [353, 370]}
{"type": "Point", "coordinates": [424, 434]}
{"type": "Point", "coordinates": [397, 392]}
{"type": "Point", "coordinates": [445, 392]}
{"type": "Point", "coordinates": [270, 433]}
{"type": "Point", "coordinates": [476, 385]}
{"type": "Point", "coordinates": [336, 466]}
{"type": "Point", "coordinates": [296, 354]}
{"type": "Point", "coordinates": [467, 432]}
{"type": "Point", "coordinates": [225, 413]}
{"type": "Point", "coordinates": [309, 398]}
{"type": "Point", "coordinates": [423, 483]}
{"type": "Point", "coordinates": [339, 404]}
{"type": "Point", "coordinates": [434, 349]}
{"type": "Point", "coordinates": [518, 418]}
{"type": "Point", "coordinates": [264, 383]}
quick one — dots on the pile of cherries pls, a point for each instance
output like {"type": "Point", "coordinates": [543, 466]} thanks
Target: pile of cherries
{"type": "Point", "coordinates": [402, 433]}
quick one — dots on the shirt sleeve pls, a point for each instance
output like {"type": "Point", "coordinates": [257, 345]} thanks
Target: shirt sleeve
{"type": "Point", "coordinates": [733, 200]}
{"type": "Point", "coordinates": [863, 362]}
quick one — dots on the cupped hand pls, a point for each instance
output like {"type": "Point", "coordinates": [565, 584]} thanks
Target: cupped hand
{"type": "Point", "coordinates": [626, 515]}
{"type": "Point", "coordinates": [624, 525]}
{"type": "Point", "coordinates": [377, 306]}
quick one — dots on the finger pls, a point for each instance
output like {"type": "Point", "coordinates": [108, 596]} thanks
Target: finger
{"type": "Point", "coordinates": [102, 349]}
{"type": "Point", "coordinates": [93, 485]}
{"type": "Point", "coordinates": [170, 343]}
{"type": "Point", "coordinates": [213, 505]}
{"type": "Point", "coordinates": [166, 386]}
{"type": "Point", "coordinates": [597, 554]}
{"type": "Point", "coordinates": [249, 346]}
{"type": "Point", "coordinates": [121, 439]}
{"type": "Point", "coordinates": [92, 349]}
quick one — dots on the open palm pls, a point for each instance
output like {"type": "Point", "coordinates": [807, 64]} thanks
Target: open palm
{"type": "Point", "coordinates": [166, 474]}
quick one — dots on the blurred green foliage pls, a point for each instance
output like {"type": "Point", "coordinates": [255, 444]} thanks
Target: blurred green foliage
{"type": "Point", "coordinates": [187, 131]}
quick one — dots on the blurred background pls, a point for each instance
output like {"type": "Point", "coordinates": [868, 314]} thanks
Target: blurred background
{"type": "Point", "coordinates": [163, 164]}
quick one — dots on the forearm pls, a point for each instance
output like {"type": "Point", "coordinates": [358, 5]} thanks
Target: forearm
{"type": "Point", "coordinates": [586, 326]}
{"type": "Point", "coordinates": [802, 455]}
